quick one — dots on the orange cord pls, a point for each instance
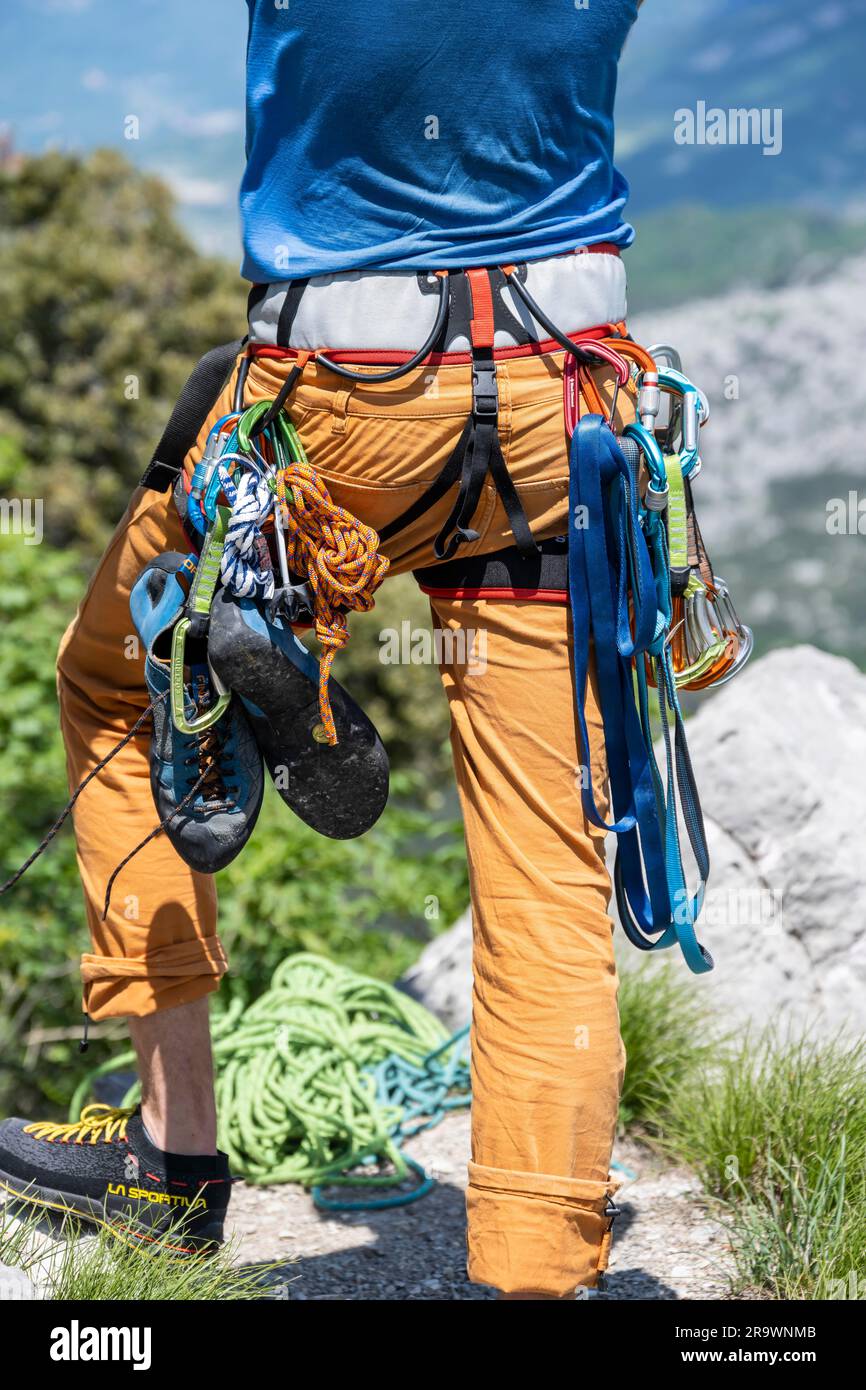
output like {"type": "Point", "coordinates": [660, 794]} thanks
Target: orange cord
{"type": "Point", "coordinates": [340, 557]}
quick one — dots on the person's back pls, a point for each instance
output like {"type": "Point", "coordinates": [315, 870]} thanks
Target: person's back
{"type": "Point", "coordinates": [429, 133]}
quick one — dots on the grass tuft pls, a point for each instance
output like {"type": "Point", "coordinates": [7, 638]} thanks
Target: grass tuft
{"type": "Point", "coordinates": [668, 1037]}
{"type": "Point", "coordinates": [104, 1267]}
{"type": "Point", "coordinates": [776, 1130]}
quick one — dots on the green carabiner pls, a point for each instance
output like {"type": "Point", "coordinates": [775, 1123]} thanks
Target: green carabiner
{"type": "Point", "coordinates": [198, 605]}
{"type": "Point", "coordinates": [178, 688]}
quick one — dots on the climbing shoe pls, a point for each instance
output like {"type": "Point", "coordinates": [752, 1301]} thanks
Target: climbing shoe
{"type": "Point", "coordinates": [207, 786]}
{"type": "Point", "coordinates": [105, 1170]}
{"type": "Point", "coordinates": [339, 789]}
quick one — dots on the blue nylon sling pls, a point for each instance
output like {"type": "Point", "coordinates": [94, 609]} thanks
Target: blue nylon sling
{"type": "Point", "coordinates": [610, 563]}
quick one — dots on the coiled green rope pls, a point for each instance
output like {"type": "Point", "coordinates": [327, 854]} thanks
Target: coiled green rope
{"type": "Point", "coordinates": [327, 1072]}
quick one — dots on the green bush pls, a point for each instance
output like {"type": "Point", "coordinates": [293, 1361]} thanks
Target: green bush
{"type": "Point", "coordinates": [109, 307]}
{"type": "Point", "coordinates": [41, 918]}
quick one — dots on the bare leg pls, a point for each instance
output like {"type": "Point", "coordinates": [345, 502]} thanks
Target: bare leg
{"type": "Point", "coordinates": [177, 1086]}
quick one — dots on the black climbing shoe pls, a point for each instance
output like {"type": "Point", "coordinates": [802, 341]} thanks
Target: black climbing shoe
{"type": "Point", "coordinates": [105, 1170]}
{"type": "Point", "coordinates": [214, 824]}
{"type": "Point", "coordinates": [341, 789]}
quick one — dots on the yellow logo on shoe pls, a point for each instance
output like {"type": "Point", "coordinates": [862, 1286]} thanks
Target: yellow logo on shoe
{"type": "Point", "coordinates": [141, 1194]}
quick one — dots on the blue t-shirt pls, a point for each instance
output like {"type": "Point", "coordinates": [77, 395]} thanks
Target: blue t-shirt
{"type": "Point", "coordinates": [429, 134]}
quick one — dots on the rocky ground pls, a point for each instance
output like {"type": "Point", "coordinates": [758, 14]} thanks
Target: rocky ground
{"type": "Point", "coordinates": [666, 1244]}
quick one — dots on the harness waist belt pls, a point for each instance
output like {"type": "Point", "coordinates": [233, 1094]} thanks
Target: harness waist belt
{"type": "Point", "coordinates": [396, 310]}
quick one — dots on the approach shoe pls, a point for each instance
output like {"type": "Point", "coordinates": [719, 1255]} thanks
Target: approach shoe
{"type": "Point", "coordinates": [209, 830]}
{"type": "Point", "coordinates": [339, 789]}
{"type": "Point", "coordinates": [105, 1170]}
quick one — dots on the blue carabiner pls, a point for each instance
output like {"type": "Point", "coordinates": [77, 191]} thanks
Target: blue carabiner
{"type": "Point", "coordinates": [655, 498]}
{"type": "Point", "coordinates": [693, 414]}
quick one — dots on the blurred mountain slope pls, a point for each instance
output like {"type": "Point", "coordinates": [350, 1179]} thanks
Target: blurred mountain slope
{"type": "Point", "coordinates": [798, 55]}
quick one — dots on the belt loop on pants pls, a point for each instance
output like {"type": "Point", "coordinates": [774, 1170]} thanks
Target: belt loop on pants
{"type": "Point", "coordinates": [340, 409]}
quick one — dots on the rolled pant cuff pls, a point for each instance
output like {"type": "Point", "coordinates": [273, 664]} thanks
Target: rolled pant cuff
{"type": "Point", "coordinates": [132, 986]}
{"type": "Point", "coordinates": [537, 1233]}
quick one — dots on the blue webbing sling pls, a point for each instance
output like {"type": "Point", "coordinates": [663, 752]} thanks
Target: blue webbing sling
{"type": "Point", "coordinates": [619, 591]}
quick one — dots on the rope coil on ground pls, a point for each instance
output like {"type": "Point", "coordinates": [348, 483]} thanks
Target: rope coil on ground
{"type": "Point", "coordinates": [324, 1074]}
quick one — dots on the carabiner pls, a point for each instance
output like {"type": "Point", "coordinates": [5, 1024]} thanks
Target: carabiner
{"type": "Point", "coordinates": [702, 638]}
{"type": "Point", "coordinates": [684, 382]}
{"type": "Point", "coordinates": [177, 687]}
{"type": "Point", "coordinates": [730, 621]}
{"type": "Point", "coordinates": [197, 607]}
{"type": "Point", "coordinates": [663, 352]}
{"type": "Point", "coordinates": [692, 414]}
{"type": "Point", "coordinates": [656, 496]}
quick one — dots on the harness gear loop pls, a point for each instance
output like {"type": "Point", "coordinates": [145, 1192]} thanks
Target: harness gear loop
{"type": "Point", "coordinates": [276, 406]}
{"type": "Point", "coordinates": [371, 378]}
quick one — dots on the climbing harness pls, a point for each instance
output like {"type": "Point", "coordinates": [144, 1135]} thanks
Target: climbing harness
{"type": "Point", "coordinates": [324, 1076]}
{"type": "Point", "coordinates": [633, 565]}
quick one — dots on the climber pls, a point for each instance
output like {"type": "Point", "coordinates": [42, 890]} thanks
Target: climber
{"type": "Point", "coordinates": [447, 216]}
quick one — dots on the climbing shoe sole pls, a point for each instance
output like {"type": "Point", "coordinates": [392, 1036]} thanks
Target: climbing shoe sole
{"type": "Point", "coordinates": [339, 789]}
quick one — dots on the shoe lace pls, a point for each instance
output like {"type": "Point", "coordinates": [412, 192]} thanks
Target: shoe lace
{"type": "Point", "coordinates": [95, 1123]}
{"type": "Point", "coordinates": [209, 754]}
{"type": "Point", "coordinates": [208, 758]}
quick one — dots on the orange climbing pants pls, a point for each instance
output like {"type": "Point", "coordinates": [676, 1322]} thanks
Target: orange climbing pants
{"type": "Point", "coordinates": [547, 1057]}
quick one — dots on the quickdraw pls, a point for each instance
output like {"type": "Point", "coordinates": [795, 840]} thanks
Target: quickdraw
{"type": "Point", "coordinates": [709, 643]}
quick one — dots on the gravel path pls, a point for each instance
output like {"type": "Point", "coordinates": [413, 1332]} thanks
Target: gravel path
{"type": "Point", "coordinates": [665, 1247]}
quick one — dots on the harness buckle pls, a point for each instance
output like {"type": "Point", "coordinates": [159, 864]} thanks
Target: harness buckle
{"type": "Point", "coordinates": [485, 391]}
